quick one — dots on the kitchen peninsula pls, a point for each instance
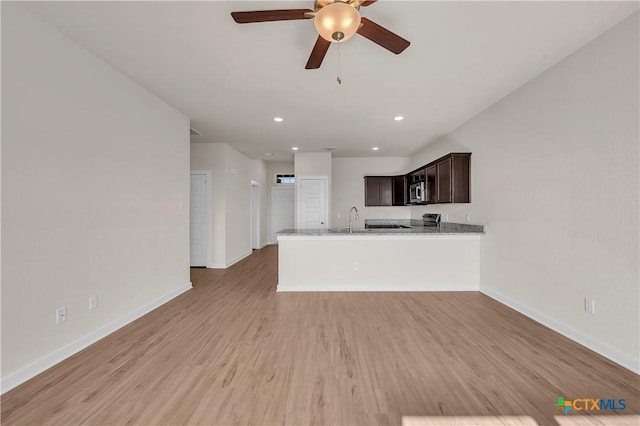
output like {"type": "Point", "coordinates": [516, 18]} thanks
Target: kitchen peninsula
{"type": "Point", "coordinates": [393, 255]}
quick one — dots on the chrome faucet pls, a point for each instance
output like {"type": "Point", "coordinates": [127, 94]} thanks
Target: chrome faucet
{"type": "Point", "coordinates": [357, 217]}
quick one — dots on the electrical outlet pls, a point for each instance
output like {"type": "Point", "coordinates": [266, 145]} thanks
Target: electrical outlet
{"type": "Point", "coordinates": [468, 217]}
{"type": "Point", "coordinates": [61, 314]}
{"type": "Point", "coordinates": [93, 302]}
{"type": "Point", "coordinates": [338, 215]}
{"type": "Point", "coordinates": [355, 266]}
{"type": "Point", "coordinates": [589, 306]}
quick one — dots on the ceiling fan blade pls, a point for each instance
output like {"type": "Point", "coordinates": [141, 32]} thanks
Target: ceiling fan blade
{"type": "Point", "coordinates": [382, 36]}
{"type": "Point", "coordinates": [317, 54]}
{"type": "Point", "coordinates": [271, 15]}
{"type": "Point", "coordinates": [367, 3]}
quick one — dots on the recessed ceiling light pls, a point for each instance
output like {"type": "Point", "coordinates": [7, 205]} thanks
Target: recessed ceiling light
{"type": "Point", "coordinates": [295, 148]}
{"type": "Point", "coordinates": [375, 148]}
{"type": "Point", "coordinates": [398, 118]}
{"type": "Point", "coordinates": [278, 119]}
{"type": "Point", "coordinates": [268, 154]}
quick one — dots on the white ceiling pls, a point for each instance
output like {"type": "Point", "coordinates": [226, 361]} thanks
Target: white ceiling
{"type": "Point", "coordinates": [232, 79]}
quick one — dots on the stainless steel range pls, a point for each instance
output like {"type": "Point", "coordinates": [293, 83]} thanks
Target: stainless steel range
{"type": "Point", "coordinates": [431, 219]}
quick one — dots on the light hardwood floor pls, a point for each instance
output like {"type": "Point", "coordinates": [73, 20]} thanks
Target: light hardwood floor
{"type": "Point", "coordinates": [233, 351]}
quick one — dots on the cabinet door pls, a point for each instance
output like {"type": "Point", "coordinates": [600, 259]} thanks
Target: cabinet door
{"type": "Point", "coordinates": [430, 186]}
{"type": "Point", "coordinates": [399, 191]}
{"type": "Point", "coordinates": [386, 191]}
{"type": "Point", "coordinates": [371, 191]}
{"type": "Point", "coordinates": [418, 176]}
{"type": "Point", "coordinates": [461, 178]}
{"type": "Point", "coordinates": [443, 169]}
{"type": "Point", "coordinates": [378, 191]}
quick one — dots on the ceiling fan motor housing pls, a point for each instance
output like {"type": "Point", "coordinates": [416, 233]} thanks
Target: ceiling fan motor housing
{"type": "Point", "coordinates": [336, 21]}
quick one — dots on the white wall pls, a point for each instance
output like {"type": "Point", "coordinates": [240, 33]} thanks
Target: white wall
{"type": "Point", "coordinates": [348, 188]}
{"type": "Point", "coordinates": [232, 174]}
{"type": "Point", "coordinates": [258, 171]}
{"type": "Point", "coordinates": [94, 172]}
{"type": "Point", "coordinates": [312, 164]}
{"type": "Point", "coordinates": [238, 206]}
{"type": "Point", "coordinates": [555, 174]}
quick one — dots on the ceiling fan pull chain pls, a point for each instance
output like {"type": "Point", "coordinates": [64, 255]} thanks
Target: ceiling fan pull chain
{"type": "Point", "coordinates": [338, 79]}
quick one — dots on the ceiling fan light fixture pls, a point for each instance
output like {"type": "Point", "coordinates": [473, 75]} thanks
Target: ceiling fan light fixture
{"type": "Point", "coordinates": [337, 22]}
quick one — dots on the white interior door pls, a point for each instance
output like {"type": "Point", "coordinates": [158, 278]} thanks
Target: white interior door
{"type": "Point", "coordinates": [282, 210]}
{"type": "Point", "coordinates": [312, 203]}
{"type": "Point", "coordinates": [198, 214]}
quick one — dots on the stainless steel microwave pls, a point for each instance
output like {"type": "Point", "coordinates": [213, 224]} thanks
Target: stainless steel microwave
{"type": "Point", "coordinates": [416, 193]}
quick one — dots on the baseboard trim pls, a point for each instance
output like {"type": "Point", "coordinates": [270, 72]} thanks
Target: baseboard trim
{"type": "Point", "coordinates": [374, 287]}
{"type": "Point", "coordinates": [603, 349]}
{"type": "Point", "coordinates": [239, 258]}
{"type": "Point", "coordinates": [17, 378]}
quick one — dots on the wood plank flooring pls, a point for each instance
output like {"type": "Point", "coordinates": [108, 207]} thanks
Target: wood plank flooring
{"type": "Point", "coordinates": [233, 351]}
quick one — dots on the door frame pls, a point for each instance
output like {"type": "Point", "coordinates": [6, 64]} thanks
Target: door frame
{"type": "Point", "coordinates": [275, 189]}
{"type": "Point", "coordinates": [207, 227]}
{"type": "Point", "coordinates": [327, 201]}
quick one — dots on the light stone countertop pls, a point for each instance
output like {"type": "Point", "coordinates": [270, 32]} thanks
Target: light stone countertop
{"type": "Point", "coordinates": [413, 227]}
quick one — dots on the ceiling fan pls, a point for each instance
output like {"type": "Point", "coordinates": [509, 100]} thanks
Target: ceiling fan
{"type": "Point", "coordinates": [335, 20]}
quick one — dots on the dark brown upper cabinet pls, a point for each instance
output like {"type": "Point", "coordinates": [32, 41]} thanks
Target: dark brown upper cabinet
{"type": "Point", "coordinates": [430, 184]}
{"type": "Point", "coordinates": [443, 179]}
{"type": "Point", "coordinates": [399, 191]}
{"type": "Point", "coordinates": [384, 191]}
{"type": "Point", "coordinates": [446, 179]}
{"type": "Point", "coordinates": [417, 176]}
{"type": "Point", "coordinates": [453, 178]}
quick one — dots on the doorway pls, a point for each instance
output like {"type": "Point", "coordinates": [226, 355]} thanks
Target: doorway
{"type": "Point", "coordinates": [199, 217]}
